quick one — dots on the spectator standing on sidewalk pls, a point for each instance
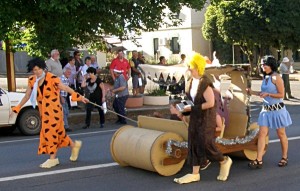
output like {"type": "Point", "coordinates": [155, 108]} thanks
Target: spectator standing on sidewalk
{"type": "Point", "coordinates": [95, 92]}
{"type": "Point", "coordinates": [87, 64]}
{"type": "Point", "coordinates": [64, 97]}
{"type": "Point", "coordinates": [78, 61]}
{"type": "Point", "coordinates": [120, 90]}
{"type": "Point", "coordinates": [120, 63]}
{"type": "Point", "coordinates": [53, 64]}
{"type": "Point", "coordinates": [78, 64]}
{"type": "Point", "coordinates": [285, 73]}
{"type": "Point", "coordinates": [94, 63]}
{"type": "Point", "coordinates": [72, 79]}
{"type": "Point", "coordinates": [135, 73]}
{"type": "Point", "coordinates": [141, 60]}
{"type": "Point", "coordinates": [72, 67]}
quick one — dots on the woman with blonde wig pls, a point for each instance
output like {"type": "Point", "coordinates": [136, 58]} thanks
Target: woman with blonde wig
{"type": "Point", "coordinates": [202, 125]}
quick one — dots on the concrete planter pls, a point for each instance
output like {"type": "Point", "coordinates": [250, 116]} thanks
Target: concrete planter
{"type": "Point", "coordinates": [156, 100]}
{"type": "Point", "coordinates": [134, 102]}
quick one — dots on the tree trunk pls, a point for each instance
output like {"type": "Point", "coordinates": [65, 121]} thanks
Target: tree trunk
{"type": "Point", "coordinates": [10, 67]}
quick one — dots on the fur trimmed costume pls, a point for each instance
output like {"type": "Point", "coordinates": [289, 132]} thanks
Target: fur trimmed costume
{"type": "Point", "coordinates": [201, 131]}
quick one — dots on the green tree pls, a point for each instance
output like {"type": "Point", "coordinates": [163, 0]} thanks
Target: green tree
{"type": "Point", "coordinates": [254, 23]}
{"type": "Point", "coordinates": [63, 24]}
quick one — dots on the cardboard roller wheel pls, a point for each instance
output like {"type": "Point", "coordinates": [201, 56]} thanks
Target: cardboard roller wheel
{"type": "Point", "coordinates": [144, 148]}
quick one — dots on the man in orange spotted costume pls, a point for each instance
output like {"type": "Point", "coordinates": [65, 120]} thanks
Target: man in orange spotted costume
{"type": "Point", "coordinates": [44, 87]}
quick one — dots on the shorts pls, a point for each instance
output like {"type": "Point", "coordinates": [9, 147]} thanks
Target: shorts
{"type": "Point", "coordinates": [135, 81]}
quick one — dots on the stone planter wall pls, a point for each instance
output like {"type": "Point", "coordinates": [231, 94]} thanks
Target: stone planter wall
{"type": "Point", "coordinates": [156, 100]}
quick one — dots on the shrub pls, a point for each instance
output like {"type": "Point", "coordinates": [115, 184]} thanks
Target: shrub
{"type": "Point", "coordinates": [157, 92]}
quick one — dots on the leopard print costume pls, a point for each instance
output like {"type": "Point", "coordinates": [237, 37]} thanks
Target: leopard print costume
{"type": "Point", "coordinates": [52, 134]}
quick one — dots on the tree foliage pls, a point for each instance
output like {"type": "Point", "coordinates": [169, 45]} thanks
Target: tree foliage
{"type": "Point", "coordinates": [254, 23]}
{"type": "Point", "coordinates": [68, 23]}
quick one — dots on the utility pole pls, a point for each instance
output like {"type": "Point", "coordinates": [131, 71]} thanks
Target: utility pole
{"type": "Point", "coordinates": [10, 67]}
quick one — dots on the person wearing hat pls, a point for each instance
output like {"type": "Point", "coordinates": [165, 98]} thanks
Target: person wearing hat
{"type": "Point", "coordinates": [202, 124]}
{"type": "Point", "coordinates": [273, 114]}
{"type": "Point", "coordinates": [285, 73]}
{"type": "Point", "coordinates": [120, 90]}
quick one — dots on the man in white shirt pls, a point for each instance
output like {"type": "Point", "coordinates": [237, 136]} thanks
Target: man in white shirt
{"type": "Point", "coordinates": [285, 73]}
{"type": "Point", "coordinates": [72, 67]}
{"type": "Point", "coordinates": [94, 64]}
{"type": "Point", "coordinates": [87, 64]}
{"type": "Point", "coordinates": [53, 64]}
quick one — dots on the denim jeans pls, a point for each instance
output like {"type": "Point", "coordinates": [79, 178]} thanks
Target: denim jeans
{"type": "Point", "coordinates": [119, 107]}
{"type": "Point", "coordinates": [66, 112]}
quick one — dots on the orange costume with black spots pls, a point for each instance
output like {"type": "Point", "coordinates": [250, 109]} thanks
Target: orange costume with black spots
{"type": "Point", "coordinates": [52, 135]}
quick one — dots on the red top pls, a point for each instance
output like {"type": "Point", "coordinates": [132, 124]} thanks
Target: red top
{"type": "Point", "coordinates": [122, 65]}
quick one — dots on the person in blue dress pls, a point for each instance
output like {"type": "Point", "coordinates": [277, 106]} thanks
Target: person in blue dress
{"type": "Point", "coordinates": [274, 114]}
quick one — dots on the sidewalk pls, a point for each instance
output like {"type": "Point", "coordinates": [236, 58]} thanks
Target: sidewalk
{"type": "Point", "coordinates": [77, 116]}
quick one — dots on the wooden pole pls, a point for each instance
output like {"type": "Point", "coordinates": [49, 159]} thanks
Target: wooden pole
{"type": "Point", "coordinates": [10, 67]}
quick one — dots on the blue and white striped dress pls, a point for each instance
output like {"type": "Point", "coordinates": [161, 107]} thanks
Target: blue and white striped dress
{"type": "Point", "coordinates": [277, 118]}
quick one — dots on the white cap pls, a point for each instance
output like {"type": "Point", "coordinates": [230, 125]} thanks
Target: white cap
{"type": "Point", "coordinates": [285, 59]}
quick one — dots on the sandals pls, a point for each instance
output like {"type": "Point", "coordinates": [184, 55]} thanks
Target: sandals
{"type": "Point", "coordinates": [283, 162]}
{"type": "Point", "coordinates": [255, 164]}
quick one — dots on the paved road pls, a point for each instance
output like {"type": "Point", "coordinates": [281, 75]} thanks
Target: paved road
{"type": "Point", "coordinates": [95, 169]}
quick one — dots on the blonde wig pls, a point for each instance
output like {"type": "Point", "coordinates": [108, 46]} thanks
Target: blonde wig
{"type": "Point", "coordinates": [198, 62]}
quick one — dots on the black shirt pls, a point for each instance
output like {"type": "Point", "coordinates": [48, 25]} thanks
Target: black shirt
{"type": "Point", "coordinates": [136, 64]}
{"type": "Point", "coordinates": [94, 90]}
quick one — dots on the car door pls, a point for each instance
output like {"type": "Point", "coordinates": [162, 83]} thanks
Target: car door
{"type": "Point", "coordinates": [4, 107]}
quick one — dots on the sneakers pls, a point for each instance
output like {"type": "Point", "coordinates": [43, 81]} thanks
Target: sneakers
{"type": "Point", "coordinates": [75, 151]}
{"type": "Point", "coordinates": [101, 125]}
{"type": "Point", "coordinates": [50, 163]}
{"type": "Point", "coordinates": [188, 179]}
{"type": "Point", "coordinates": [205, 166]}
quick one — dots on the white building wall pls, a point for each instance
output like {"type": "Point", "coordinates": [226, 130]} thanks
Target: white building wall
{"type": "Point", "coordinates": [189, 34]}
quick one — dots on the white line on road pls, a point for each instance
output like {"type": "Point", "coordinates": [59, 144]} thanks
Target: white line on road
{"type": "Point", "coordinates": [290, 139]}
{"type": "Point", "coordinates": [17, 177]}
{"type": "Point", "coordinates": [57, 172]}
{"type": "Point", "coordinates": [71, 135]}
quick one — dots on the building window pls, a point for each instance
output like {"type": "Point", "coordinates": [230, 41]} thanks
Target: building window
{"type": "Point", "coordinates": [155, 45]}
{"type": "Point", "coordinates": [175, 47]}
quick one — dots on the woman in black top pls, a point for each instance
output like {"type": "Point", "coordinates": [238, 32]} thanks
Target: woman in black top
{"type": "Point", "coordinates": [95, 92]}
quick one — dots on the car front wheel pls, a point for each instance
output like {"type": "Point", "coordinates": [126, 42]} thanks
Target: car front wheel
{"type": "Point", "coordinates": [29, 122]}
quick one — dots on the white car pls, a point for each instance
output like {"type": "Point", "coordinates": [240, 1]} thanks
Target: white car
{"type": "Point", "coordinates": [27, 120]}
